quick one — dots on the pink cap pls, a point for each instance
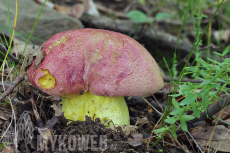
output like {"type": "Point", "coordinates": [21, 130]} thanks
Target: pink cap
{"type": "Point", "coordinates": [105, 62]}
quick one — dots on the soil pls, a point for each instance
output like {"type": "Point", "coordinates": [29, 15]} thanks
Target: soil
{"type": "Point", "coordinates": [56, 132]}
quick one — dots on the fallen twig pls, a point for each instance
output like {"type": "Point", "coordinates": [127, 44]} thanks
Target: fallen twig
{"type": "Point", "coordinates": [18, 79]}
{"type": "Point", "coordinates": [11, 57]}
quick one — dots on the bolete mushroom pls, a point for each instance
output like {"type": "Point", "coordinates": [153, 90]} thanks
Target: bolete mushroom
{"type": "Point", "coordinates": [92, 70]}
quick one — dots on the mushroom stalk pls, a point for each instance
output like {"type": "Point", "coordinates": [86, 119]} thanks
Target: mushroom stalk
{"type": "Point", "coordinates": [106, 108]}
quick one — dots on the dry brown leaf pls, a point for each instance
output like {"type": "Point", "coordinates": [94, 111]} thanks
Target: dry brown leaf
{"type": "Point", "coordinates": [39, 57]}
{"type": "Point", "coordinates": [225, 114]}
{"type": "Point", "coordinates": [129, 128]}
{"type": "Point", "coordinates": [18, 47]}
{"type": "Point", "coordinates": [203, 133]}
{"type": "Point", "coordinates": [137, 139]}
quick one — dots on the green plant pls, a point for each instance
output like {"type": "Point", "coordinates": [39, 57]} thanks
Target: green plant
{"type": "Point", "coordinates": [138, 16]}
{"type": "Point", "coordinates": [217, 78]}
{"type": "Point", "coordinates": [214, 75]}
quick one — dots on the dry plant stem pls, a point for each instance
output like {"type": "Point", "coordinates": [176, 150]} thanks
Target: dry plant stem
{"type": "Point", "coordinates": [152, 106]}
{"type": "Point", "coordinates": [222, 103]}
{"type": "Point", "coordinates": [11, 57]}
{"type": "Point", "coordinates": [18, 79]}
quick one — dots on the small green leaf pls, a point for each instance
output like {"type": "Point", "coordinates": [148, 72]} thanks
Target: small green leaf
{"type": "Point", "coordinates": [213, 86]}
{"type": "Point", "coordinates": [188, 117]}
{"type": "Point", "coordinates": [138, 16]}
{"type": "Point", "coordinates": [188, 100]}
{"type": "Point", "coordinates": [187, 87]}
{"type": "Point", "coordinates": [205, 82]}
{"type": "Point", "coordinates": [214, 61]}
{"type": "Point", "coordinates": [161, 15]}
{"type": "Point", "coordinates": [170, 120]}
{"type": "Point", "coordinates": [227, 60]}
{"type": "Point", "coordinates": [227, 49]}
{"type": "Point", "coordinates": [183, 124]}
{"type": "Point", "coordinates": [220, 80]}
{"type": "Point", "coordinates": [177, 111]}
{"type": "Point", "coordinates": [200, 60]}
{"type": "Point", "coordinates": [160, 130]}
{"type": "Point", "coordinates": [175, 103]}
{"type": "Point", "coordinates": [196, 111]}
{"type": "Point", "coordinates": [217, 53]}
{"type": "Point", "coordinates": [205, 99]}
{"type": "Point", "coordinates": [204, 16]}
{"type": "Point", "coordinates": [173, 132]}
{"type": "Point", "coordinates": [175, 95]}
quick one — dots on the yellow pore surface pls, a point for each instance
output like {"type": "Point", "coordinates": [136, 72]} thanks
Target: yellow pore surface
{"type": "Point", "coordinates": [47, 81]}
{"type": "Point", "coordinates": [105, 108]}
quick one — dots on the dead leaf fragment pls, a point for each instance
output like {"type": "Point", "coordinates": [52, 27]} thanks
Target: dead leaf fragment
{"type": "Point", "coordinates": [18, 47]}
{"type": "Point", "coordinates": [137, 141]}
{"type": "Point", "coordinates": [220, 138]}
{"type": "Point", "coordinates": [38, 53]}
{"type": "Point", "coordinates": [39, 57]}
{"type": "Point", "coordinates": [129, 128]}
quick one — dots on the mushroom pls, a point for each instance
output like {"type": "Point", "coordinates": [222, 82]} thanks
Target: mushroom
{"type": "Point", "coordinates": [92, 70]}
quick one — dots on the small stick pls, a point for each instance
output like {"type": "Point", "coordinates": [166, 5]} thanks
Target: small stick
{"type": "Point", "coordinates": [18, 79]}
{"type": "Point", "coordinates": [11, 57]}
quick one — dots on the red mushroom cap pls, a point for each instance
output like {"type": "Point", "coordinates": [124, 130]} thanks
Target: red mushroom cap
{"type": "Point", "coordinates": [105, 62]}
